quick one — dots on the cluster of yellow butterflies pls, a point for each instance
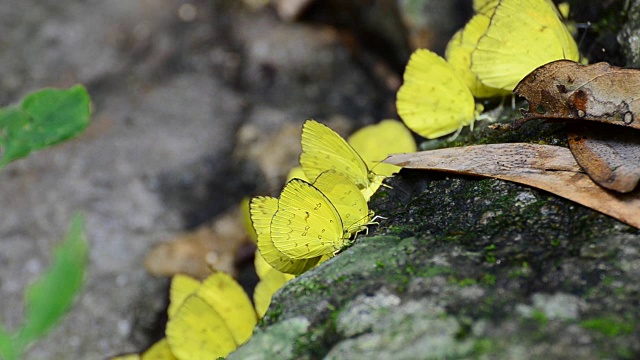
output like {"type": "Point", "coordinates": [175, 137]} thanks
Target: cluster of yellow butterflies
{"type": "Point", "coordinates": [210, 319]}
{"type": "Point", "coordinates": [324, 203]}
{"type": "Point", "coordinates": [207, 319]}
{"type": "Point", "coordinates": [504, 41]}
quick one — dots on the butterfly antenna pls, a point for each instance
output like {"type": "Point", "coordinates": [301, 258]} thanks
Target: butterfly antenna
{"type": "Point", "coordinates": [387, 186]}
{"type": "Point", "coordinates": [374, 166]}
{"type": "Point", "coordinates": [403, 190]}
{"type": "Point", "coordinates": [380, 176]}
{"type": "Point", "coordinates": [585, 28]}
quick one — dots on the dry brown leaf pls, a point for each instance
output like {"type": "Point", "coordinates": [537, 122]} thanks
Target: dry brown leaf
{"type": "Point", "coordinates": [550, 168]}
{"type": "Point", "coordinates": [195, 253]}
{"type": "Point", "coordinates": [611, 157]}
{"type": "Point", "coordinates": [566, 90]}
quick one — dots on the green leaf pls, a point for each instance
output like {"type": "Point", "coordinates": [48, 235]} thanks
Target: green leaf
{"type": "Point", "coordinates": [11, 118]}
{"type": "Point", "coordinates": [45, 117]}
{"type": "Point", "coordinates": [7, 349]}
{"type": "Point", "coordinates": [52, 294]}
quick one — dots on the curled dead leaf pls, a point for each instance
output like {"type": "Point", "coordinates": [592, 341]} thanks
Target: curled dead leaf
{"type": "Point", "coordinates": [550, 168]}
{"type": "Point", "coordinates": [598, 93]}
{"type": "Point", "coordinates": [609, 156]}
{"type": "Point", "coordinates": [567, 90]}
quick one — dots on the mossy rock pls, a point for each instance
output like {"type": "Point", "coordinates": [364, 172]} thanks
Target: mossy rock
{"type": "Point", "coordinates": [468, 268]}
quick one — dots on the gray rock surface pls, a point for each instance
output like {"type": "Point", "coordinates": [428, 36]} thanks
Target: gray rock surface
{"type": "Point", "coordinates": [172, 82]}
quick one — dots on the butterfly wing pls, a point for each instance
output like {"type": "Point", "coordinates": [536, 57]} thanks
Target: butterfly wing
{"type": "Point", "coordinates": [246, 219]}
{"type": "Point", "coordinates": [229, 300]}
{"type": "Point", "coordinates": [297, 173]}
{"type": "Point", "coordinates": [159, 351]}
{"type": "Point", "coordinates": [306, 224]}
{"type": "Point", "coordinates": [458, 55]}
{"type": "Point", "coordinates": [181, 287]}
{"type": "Point", "coordinates": [484, 6]}
{"type": "Point", "coordinates": [522, 35]}
{"type": "Point", "coordinates": [260, 264]}
{"type": "Point", "coordinates": [434, 101]}
{"type": "Point", "coordinates": [375, 181]}
{"type": "Point", "coordinates": [262, 209]}
{"type": "Point", "coordinates": [375, 142]}
{"type": "Point", "coordinates": [346, 198]}
{"type": "Point", "coordinates": [270, 282]}
{"type": "Point", "coordinates": [323, 149]}
{"type": "Point", "coordinates": [126, 357]}
{"type": "Point", "coordinates": [198, 332]}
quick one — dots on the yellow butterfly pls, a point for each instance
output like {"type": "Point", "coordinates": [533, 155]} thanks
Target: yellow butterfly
{"type": "Point", "coordinates": [261, 265]}
{"type": "Point", "coordinates": [434, 99]}
{"type": "Point", "coordinates": [323, 149]}
{"type": "Point", "coordinates": [212, 321]}
{"type": "Point", "coordinates": [159, 351]}
{"type": "Point", "coordinates": [522, 35]}
{"type": "Point", "coordinates": [341, 193]}
{"type": "Point", "coordinates": [484, 6]}
{"type": "Point", "coordinates": [375, 142]}
{"type": "Point", "coordinates": [197, 332]}
{"type": "Point", "coordinates": [463, 43]}
{"type": "Point", "coordinates": [127, 357]}
{"type": "Point", "coordinates": [245, 213]}
{"type": "Point", "coordinates": [262, 209]}
{"type": "Point", "coordinates": [437, 97]}
{"type": "Point", "coordinates": [297, 173]}
{"type": "Point", "coordinates": [182, 287]}
{"type": "Point", "coordinates": [308, 224]}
